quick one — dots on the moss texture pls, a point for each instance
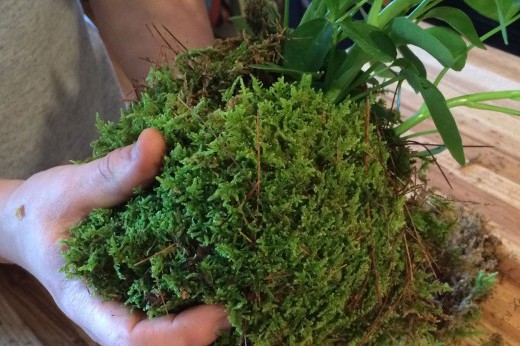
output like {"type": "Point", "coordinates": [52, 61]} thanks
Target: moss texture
{"type": "Point", "coordinates": [272, 201]}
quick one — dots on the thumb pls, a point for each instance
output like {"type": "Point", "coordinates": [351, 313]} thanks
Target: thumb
{"type": "Point", "coordinates": [109, 181]}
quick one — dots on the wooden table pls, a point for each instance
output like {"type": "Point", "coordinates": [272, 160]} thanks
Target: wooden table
{"type": "Point", "coordinates": [489, 183]}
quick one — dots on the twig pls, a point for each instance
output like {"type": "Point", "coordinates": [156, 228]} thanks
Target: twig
{"type": "Point", "coordinates": [169, 247]}
{"type": "Point", "coordinates": [367, 123]}
{"type": "Point", "coordinates": [435, 162]}
{"type": "Point", "coordinates": [418, 238]}
{"type": "Point", "coordinates": [161, 296]}
{"type": "Point", "coordinates": [259, 168]}
{"type": "Point", "coordinates": [175, 38]}
{"type": "Point", "coordinates": [164, 39]}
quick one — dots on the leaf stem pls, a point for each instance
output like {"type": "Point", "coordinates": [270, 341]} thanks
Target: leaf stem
{"type": "Point", "coordinates": [353, 11]}
{"type": "Point", "coordinates": [286, 14]}
{"type": "Point", "coordinates": [498, 28]}
{"type": "Point", "coordinates": [487, 107]}
{"type": "Point", "coordinates": [421, 8]}
{"type": "Point", "coordinates": [394, 9]}
{"type": "Point", "coordinates": [472, 100]}
{"type": "Point", "coordinates": [419, 134]}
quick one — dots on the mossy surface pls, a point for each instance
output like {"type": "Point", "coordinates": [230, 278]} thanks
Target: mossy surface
{"type": "Point", "coordinates": [272, 201]}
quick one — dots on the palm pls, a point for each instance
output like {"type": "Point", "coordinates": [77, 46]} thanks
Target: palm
{"type": "Point", "coordinates": [49, 203]}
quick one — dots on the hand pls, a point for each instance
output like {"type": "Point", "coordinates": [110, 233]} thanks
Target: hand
{"type": "Point", "coordinates": [36, 214]}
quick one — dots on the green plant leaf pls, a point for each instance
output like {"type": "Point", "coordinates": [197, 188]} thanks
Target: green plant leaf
{"type": "Point", "coordinates": [240, 23]}
{"type": "Point", "coordinates": [319, 9]}
{"type": "Point", "coordinates": [373, 41]}
{"type": "Point", "coordinates": [430, 152]}
{"type": "Point", "coordinates": [333, 8]}
{"type": "Point", "coordinates": [316, 9]}
{"type": "Point", "coordinates": [489, 8]}
{"type": "Point", "coordinates": [459, 21]}
{"type": "Point", "coordinates": [440, 113]}
{"type": "Point", "coordinates": [502, 20]}
{"type": "Point", "coordinates": [373, 14]}
{"type": "Point", "coordinates": [395, 9]}
{"type": "Point", "coordinates": [413, 60]}
{"type": "Point", "coordinates": [307, 46]}
{"type": "Point", "coordinates": [347, 67]}
{"type": "Point", "coordinates": [335, 64]}
{"type": "Point", "coordinates": [498, 10]}
{"type": "Point", "coordinates": [376, 69]}
{"type": "Point", "coordinates": [404, 31]}
{"type": "Point", "coordinates": [381, 70]}
{"type": "Point", "coordinates": [286, 9]}
{"type": "Point", "coordinates": [454, 43]}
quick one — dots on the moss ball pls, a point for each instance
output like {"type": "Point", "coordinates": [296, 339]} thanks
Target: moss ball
{"type": "Point", "coordinates": [273, 204]}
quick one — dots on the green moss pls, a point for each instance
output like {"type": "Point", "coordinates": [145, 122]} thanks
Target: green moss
{"type": "Point", "coordinates": [271, 202]}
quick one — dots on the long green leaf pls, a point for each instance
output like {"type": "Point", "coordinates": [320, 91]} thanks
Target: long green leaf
{"type": "Point", "coordinates": [317, 9]}
{"type": "Point", "coordinates": [373, 14]}
{"type": "Point", "coordinates": [338, 81]}
{"type": "Point", "coordinates": [430, 152]}
{"type": "Point", "coordinates": [458, 20]}
{"type": "Point", "coordinates": [240, 23]}
{"type": "Point", "coordinates": [502, 20]}
{"type": "Point", "coordinates": [320, 9]}
{"type": "Point", "coordinates": [489, 8]}
{"type": "Point", "coordinates": [307, 46]}
{"type": "Point", "coordinates": [286, 9]}
{"type": "Point", "coordinates": [395, 9]}
{"type": "Point", "coordinates": [335, 65]}
{"type": "Point", "coordinates": [503, 110]}
{"type": "Point", "coordinates": [370, 39]}
{"type": "Point", "coordinates": [454, 43]}
{"type": "Point", "coordinates": [440, 112]}
{"type": "Point", "coordinates": [404, 31]}
{"type": "Point", "coordinates": [413, 60]}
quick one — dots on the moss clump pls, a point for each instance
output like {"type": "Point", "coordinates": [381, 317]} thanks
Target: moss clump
{"type": "Point", "coordinates": [273, 201]}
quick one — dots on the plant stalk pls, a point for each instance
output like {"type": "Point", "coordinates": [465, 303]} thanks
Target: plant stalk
{"type": "Point", "coordinates": [472, 100]}
{"type": "Point", "coordinates": [394, 9]}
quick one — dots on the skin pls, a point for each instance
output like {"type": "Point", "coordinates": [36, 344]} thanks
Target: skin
{"type": "Point", "coordinates": [36, 213]}
{"type": "Point", "coordinates": [128, 29]}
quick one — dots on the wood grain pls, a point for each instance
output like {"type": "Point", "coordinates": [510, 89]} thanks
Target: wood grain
{"type": "Point", "coordinates": [28, 315]}
{"type": "Point", "coordinates": [490, 181]}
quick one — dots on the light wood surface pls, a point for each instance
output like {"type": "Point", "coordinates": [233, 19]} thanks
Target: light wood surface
{"type": "Point", "coordinates": [489, 183]}
{"type": "Point", "coordinates": [28, 315]}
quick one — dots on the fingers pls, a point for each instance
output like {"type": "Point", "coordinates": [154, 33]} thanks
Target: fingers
{"type": "Point", "coordinates": [109, 323]}
{"type": "Point", "coordinates": [110, 180]}
{"type": "Point", "coordinates": [199, 325]}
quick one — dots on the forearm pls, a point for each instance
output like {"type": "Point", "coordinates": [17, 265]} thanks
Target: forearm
{"type": "Point", "coordinates": [8, 214]}
{"type": "Point", "coordinates": [127, 28]}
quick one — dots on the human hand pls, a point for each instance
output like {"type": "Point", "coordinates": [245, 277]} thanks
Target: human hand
{"type": "Point", "coordinates": [36, 214]}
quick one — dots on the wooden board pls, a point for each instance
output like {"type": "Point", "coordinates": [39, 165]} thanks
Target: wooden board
{"type": "Point", "coordinates": [489, 183]}
{"type": "Point", "coordinates": [28, 315]}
